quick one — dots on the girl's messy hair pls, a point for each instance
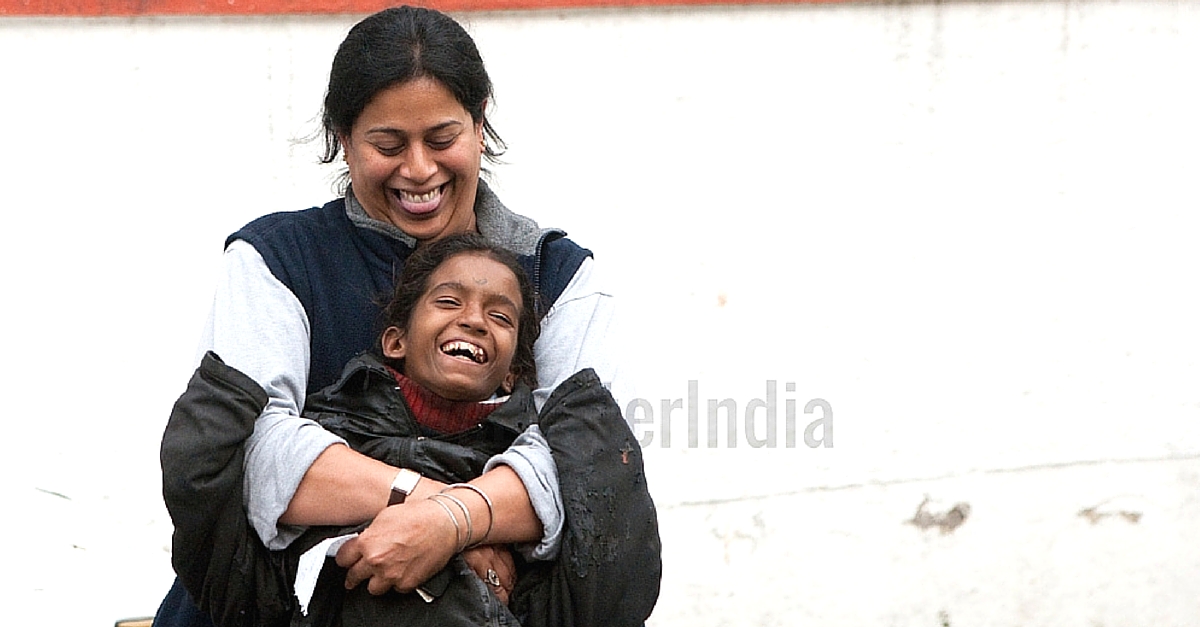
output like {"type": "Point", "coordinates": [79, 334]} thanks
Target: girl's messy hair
{"type": "Point", "coordinates": [414, 281]}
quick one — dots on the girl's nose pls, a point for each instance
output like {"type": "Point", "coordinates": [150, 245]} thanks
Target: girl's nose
{"type": "Point", "coordinates": [472, 318]}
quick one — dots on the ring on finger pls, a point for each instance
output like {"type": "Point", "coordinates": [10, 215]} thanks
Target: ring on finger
{"type": "Point", "coordinates": [492, 578]}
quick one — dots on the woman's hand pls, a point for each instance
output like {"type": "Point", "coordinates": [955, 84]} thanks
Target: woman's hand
{"type": "Point", "coordinates": [402, 548]}
{"type": "Point", "coordinates": [494, 565]}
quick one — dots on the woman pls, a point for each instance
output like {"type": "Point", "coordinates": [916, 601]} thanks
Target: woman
{"type": "Point", "coordinates": [405, 109]}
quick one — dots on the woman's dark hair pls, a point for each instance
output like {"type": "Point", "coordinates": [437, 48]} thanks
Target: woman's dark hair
{"type": "Point", "coordinates": [398, 45]}
{"type": "Point", "coordinates": [414, 281]}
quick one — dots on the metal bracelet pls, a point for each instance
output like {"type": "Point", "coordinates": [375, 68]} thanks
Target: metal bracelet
{"type": "Point", "coordinates": [466, 514]}
{"type": "Point", "coordinates": [457, 528]}
{"type": "Point", "coordinates": [491, 512]}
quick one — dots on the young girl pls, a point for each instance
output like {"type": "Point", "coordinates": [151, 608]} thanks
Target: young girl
{"type": "Point", "coordinates": [444, 399]}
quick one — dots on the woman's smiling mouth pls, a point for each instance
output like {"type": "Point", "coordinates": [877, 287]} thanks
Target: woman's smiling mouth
{"type": "Point", "coordinates": [426, 202]}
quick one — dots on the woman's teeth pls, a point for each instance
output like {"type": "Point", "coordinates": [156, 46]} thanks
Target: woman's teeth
{"type": "Point", "coordinates": [426, 197]}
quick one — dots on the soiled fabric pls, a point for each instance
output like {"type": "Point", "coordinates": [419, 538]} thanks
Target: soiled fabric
{"type": "Point", "coordinates": [217, 557]}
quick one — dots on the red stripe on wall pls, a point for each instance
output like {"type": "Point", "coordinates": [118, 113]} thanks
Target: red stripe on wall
{"type": "Point", "coordinates": [80, 8]}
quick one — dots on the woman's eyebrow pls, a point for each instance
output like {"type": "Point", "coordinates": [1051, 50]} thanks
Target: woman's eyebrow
{"type": "Point", "coordinates": [395, 131]}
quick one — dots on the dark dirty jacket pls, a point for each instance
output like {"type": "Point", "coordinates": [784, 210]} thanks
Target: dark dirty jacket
{"type": "Point", "coordinates": [609, 566]}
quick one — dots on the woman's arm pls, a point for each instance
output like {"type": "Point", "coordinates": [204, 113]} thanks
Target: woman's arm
{"type": "Point", "coordinates": [407, 543]}
{"type": "Point", "coordinates": [259, 327]}
{"type": "Point", "coordinates": [581, 331]}
{"type": "Point", "coordinates": [298, 474]}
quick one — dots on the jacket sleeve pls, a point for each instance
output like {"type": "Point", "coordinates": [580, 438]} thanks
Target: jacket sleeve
{"type": "Point", "coordinates": [609, 567]}
{"type": "Point", "coordinates": [216, 555]}
{"type": "Point", "coordinates": [258, 326]}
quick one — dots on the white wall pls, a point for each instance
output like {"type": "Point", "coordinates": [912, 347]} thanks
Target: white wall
{"type": "Point", "coordinates": [970, 228]}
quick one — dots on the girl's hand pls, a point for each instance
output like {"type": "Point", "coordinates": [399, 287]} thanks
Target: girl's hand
{"type": "Point", "coordinates": [494, 565]}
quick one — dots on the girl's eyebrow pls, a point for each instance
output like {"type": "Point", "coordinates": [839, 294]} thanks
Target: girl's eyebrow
{"type": "Point", "coordinates": [457, 286]}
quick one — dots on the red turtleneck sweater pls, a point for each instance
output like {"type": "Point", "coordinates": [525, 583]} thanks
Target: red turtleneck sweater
{"type": "Point", "coordinates": [439, 414]}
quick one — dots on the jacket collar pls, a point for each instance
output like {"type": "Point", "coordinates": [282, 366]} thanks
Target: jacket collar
{"type": "Point", "coordinates": [494, 221]}
{"type": "Point", "coordinates": [368, 389]}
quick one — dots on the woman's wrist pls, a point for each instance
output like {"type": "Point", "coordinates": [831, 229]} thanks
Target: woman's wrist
{"type": "Point", "coordinates": [457, 528]}
{"type": "Point", "coordinates": [425, 488]}
{"type": "Point", "coordinates": [472, 523]}
{"type": "Point", "coordinates": [485, 518]}
{"type": "Point", "coordinates": [404, 484]}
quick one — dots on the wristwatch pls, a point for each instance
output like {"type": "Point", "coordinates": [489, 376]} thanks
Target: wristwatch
{"type": "Point", "coordinates": [403, 485]}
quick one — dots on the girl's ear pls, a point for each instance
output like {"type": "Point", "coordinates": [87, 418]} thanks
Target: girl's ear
{"type": "Point", "coordinates": [509, 383]}
{"type": "Point", "coordinates": [393, 343]}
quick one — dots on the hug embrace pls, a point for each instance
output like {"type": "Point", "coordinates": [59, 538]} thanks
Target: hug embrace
{"type": "Point", "coordinates": [463, 434]}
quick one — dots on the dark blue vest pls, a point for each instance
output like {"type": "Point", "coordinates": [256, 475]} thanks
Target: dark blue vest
{"type": "Point", "coordinates": [343, 275]}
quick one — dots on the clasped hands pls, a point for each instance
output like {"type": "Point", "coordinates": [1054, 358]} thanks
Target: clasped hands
{"type": "Point", "coordinates": [407, 544]}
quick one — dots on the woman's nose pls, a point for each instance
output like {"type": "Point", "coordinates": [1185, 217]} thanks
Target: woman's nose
{"type": "Point", "coordinates": [418, 163]}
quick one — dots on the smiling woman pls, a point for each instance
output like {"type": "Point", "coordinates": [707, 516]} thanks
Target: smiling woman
{"type": "Point", "coordinates": [299, 299]}
{"type": "Point", "coordinates": [413, 154]}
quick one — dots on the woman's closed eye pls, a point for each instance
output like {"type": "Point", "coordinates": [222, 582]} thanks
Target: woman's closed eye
{"type": "Point", "coordinates": [441, 143]}
{"type": "Point", "coordinates": [389, 149]}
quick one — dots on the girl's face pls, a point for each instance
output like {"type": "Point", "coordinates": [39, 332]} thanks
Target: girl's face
{"type": "Point", "coordinates": [414, 157]}
{"type": "Point", "coordinates": [462, 334]}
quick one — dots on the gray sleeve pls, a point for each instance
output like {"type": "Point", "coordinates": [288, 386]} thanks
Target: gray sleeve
{"type": "Point", "coordinates": [259, 327]}
{"type": "Point", "coordinates": [581, 331]}
{"type": "Point", "coordinates": [529, 456]}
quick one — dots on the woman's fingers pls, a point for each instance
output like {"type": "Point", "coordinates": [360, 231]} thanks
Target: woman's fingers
{"type": "Point", "coordinates": [350, 558]}
{"type": "Point", "coordinates": [402, 548]}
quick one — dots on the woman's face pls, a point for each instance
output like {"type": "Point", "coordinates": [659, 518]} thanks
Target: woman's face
{"type": "Point", "coordinates": [462, 333]}
{"type": "Point", "coordinates": [414, 159]}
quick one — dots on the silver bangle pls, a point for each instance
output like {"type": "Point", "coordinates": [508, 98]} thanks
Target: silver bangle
{"type": "Point", "coordinates": [457, 529]}
{"type": "Point", "coordinates": [491, 512]}
{"type": "Point", "coordinates": [466, 514]}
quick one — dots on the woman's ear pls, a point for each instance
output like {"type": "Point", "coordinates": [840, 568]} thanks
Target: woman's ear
{"type": "Point", "coordinates": [393, 343]}
{"type": "Point", "coordinates": [479, 132]}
